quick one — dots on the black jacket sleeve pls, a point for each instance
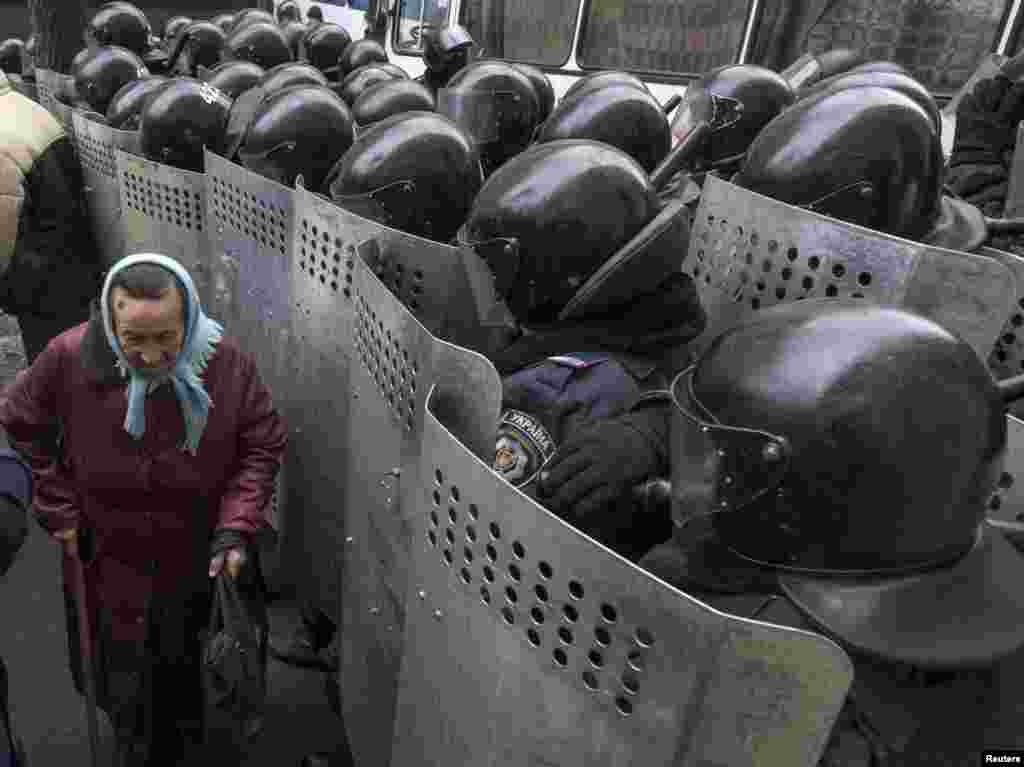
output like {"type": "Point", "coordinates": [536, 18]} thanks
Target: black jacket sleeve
{"type": "Point", "coordinates": [56, 263]}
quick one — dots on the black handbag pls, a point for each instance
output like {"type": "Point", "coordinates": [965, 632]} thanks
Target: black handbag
{"type": "Point", "coordinates": [234, 658]}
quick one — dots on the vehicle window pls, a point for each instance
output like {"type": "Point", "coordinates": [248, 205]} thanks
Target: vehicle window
{"type": "Point", "coordinates": [413, 16]}
{"type": "Point", "coordinates": [941, 42]}
{"type": "Point", "coordinates": [531, 31]}
{"type": "Point", "coordinates": [674, 36]}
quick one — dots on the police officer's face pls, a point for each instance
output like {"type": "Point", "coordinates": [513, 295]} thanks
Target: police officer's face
{"type": "Point", "coordinates": [150, 332]}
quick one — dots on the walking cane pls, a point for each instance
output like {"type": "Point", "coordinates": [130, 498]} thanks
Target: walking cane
{"type": "Point", "coordinates": [85, 650]}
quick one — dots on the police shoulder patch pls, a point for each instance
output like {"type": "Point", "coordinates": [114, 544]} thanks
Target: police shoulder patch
{"type": "Point", "coordinates": [524, 446]}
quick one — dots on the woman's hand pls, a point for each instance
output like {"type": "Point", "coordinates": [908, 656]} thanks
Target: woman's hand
{"type": "Point", "coordinates": [236, 558]}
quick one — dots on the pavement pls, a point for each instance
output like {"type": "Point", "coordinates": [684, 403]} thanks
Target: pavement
{"type": "Point", "coordinates": [49, 715]}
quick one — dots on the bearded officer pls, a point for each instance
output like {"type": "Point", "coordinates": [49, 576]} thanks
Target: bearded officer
{"type": "Point", "coordinates": [569, 243]}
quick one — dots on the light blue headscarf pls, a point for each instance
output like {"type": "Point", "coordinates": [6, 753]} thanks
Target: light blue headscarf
{"type": "Point", "coordinates": [201, 338]}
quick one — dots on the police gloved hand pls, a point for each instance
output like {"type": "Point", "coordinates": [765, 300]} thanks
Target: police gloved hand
{"type": "Point", "coordinates": [986, 133]}
{"type": "Point", "coordinates": [986, 121]}
{"type": "Point", "coordinates": [598, 464]}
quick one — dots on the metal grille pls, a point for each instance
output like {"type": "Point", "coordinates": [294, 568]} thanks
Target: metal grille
{"type": "Point", "coordinates": [749, 252]}
{"type": "Point", "coordinates": [95, 152]}
{"type": "Point", "coordinates": [939, 41]}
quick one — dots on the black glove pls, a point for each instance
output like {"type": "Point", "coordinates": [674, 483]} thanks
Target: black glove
{"type": "Point", "coordinates": [986, 122]}
{"type": "Point", "coordinates": [598, 464]}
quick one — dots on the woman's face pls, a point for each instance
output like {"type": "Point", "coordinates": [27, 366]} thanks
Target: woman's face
{"type": "Point", "coordinates": [151, 333]}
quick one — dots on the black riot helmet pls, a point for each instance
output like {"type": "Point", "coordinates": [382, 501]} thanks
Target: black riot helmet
{"type": "Point", "coordinates": [497, 105]}
{"type": "Point", "coordinates": [547, 220]}
{"type": "Point", "coordinates": [28, 71]}
{"type": "Point", "coordinates": [416, 172]}
{"type": "Point", "coordinates": [291, 73]}
{"type": "Point", "coordinates": [299, 131]}
{"type": "Point", "coordinates": [125, 109]}
{"type": "Point", "coordinates": [322, 47]}
{"type": "Point", "coordinates": [288, 11]}
{"type": "Point", "coordinates": [157, 60]}
{"type": "Point", "coordinates": [619, 115]}
{"type": "Point", "coordinates": [542, 85]}
{"type": "Point", "coordinates": [105, 73]}
{"type": "Point", "coordinates": [180, 119]}
{"type": "Point", "coordinates": [314, 13]}
{"type": "Point", "coordinates": [200, 44]}
{"type": "Point", "coordinates": [362, 79]}
{"type": "Point", "coordinates": [869, 156]}
{"type": "Point", "coordinates": [174, 26]}
{"type": "Point", "coordinates": [81, 57]}
{"type": "Point", "coordinates": [896, 81]}
{"type": "Point", "coordinates": [387, 66]}
{"type": "Point", "coordinates": [225, 21]}
{"type": "Point", "coordinates": [742, 99]}
{"type": "Point", "coordinates": [259, 42]}
{"type": "Point", "coordinates": [120, 24]}
{"type": "Point", "coordinates": [252, 16]}
{"type": "Point", "coordinates": [359, 54]}
{"type": "Point", "coordinates": [390, 98]}
{"type": "Point", "coordinates": [853, 450]}
{"type": "Point", "coordinates": [602, 80]}
{"type": "Point", "coordinates": [446, 50]}
{"type": "Point", "coordinates": [12, 52]}
{"type": "Point", "coordinates": [294, 32]}
{"type": "Point", "coordinates": [235, 77]}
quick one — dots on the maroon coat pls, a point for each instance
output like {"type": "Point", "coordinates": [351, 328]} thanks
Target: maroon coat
{"type": "Point", "coordinates": [151, 506]}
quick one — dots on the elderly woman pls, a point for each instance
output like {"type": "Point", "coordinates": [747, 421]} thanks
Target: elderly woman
{"type": "Point", "coordinates": [169, 448]}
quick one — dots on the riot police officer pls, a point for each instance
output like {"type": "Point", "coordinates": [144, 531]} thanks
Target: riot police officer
{"type": "Point", "coordinates": [846, 493]}
{"type": "Point", "coordinates": [446, 51]}
{"type": "Point", "coordinates": [571, 239]}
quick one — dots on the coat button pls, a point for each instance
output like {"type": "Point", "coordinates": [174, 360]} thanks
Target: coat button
{"type": "Point", "coordinates": [140, 620]}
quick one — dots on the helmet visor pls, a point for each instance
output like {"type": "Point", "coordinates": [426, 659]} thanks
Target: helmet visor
{"type": "Point", "coordinates": [702, 107]}
{"type": "Point", "coordinates": [718, 468]}
{"type": "Point", "coordinates": [478, 113]}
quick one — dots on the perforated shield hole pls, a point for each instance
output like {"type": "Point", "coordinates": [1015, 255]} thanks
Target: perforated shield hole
{"type": "Point", "coordinates": [169, 204]}
{"type": "Point", "coordinates": [1007, 357]}
{"type": "Point", "coordinates": [97, 155]}
{"type": "Point", "coordinates": [748, 267]}
{"type": "Point", "coordinates": [259, 218]}
{"type": "Point", "coordinates": [387, 363]}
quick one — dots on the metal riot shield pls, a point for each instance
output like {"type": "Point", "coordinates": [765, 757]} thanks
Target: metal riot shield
{"type": "Point", "coordinates": [164, 211]}
{"type": "Point", "coordinates": [316, 391]}
{"type": "Point", "coordinates": [395, 362]}
{"type": "Point", "coordinates": [1007, 356]}
{"type": "Point", "coordinates": [1006, 506]}
{"type": "Point", "coordinates": [96, 146]}
{"type": "Point", "coordinates": [528, 643]}
{"type": "Point", "coordinates": [749, 252]}
{"type": "Point", "coordinates": [47, 82]}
